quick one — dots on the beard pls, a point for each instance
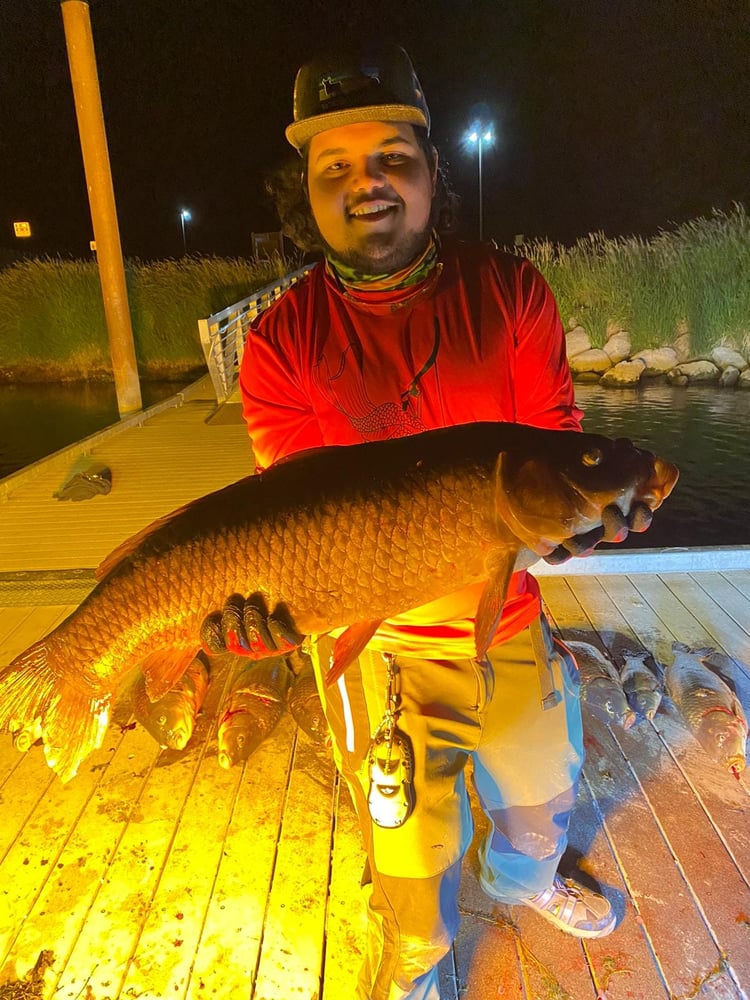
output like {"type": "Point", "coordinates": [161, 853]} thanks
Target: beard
{"type": "Point", "coordinates": [379, 254]}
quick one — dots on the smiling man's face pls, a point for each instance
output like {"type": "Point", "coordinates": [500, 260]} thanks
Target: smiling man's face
{"type": "Point", "coordinates": [371, 191]}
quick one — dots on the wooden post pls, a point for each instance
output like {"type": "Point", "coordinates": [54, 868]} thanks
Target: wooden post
{"type": "Point", "coordinates": [83, 74]}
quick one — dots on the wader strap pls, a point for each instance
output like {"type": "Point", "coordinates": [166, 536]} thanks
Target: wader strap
{"type": "Point", "coordinates": [545, 663]}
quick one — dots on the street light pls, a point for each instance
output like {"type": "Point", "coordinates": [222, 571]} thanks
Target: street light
{"type": "Point", "coordinates": [184, 217]}
{"type": "Point", "coordinates": [480, 135]}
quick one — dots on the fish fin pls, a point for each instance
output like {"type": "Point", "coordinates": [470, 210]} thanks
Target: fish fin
{"type": "Point", "coordinates": [164, 667]}
{"type": "Point", "coordinates": [129, 545]}
{"type": "Point", "coordinates": [72, 722]}
{"type": "Point", "coordinates": [491, 604]}
{"type": "Point", "coordinates": [348, 646]}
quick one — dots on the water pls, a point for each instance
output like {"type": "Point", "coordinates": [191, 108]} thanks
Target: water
{"type": "Point", "coordinates": [36, 420]}
{"type": "Point", "coordinates": [704, 431]}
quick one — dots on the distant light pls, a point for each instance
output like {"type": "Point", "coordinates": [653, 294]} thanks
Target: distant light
{"type": "Point", "coordinates": [184, 214]}
{"type": "Point", "coordinates": [481, 134]}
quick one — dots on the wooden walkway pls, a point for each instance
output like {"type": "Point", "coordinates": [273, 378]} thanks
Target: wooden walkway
{"type": "Point", "coordinates": [156, 874]}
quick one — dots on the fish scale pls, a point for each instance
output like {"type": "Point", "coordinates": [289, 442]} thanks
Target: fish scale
{"type": "Point", "coordinates": [342, 537]}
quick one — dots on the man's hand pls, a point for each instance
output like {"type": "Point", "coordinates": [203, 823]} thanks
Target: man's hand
{"type": "Point", "coordinates": [245, 628]}
{"type": "Point", "coordinates": [614, 528]}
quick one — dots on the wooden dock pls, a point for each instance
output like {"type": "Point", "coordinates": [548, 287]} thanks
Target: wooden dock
{"type": "Point", "coordinates": [157, 874]}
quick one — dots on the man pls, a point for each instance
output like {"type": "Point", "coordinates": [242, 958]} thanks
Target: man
{"type": "Point", "coordinates": [399, 331]}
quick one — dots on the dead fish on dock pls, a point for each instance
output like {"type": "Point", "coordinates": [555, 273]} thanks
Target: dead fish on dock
{"type": "Point", "coordinates": [171, 719]}
{"type": "Point", "coordinates": [305, 705]}
{"type": "Point", "coordinates": [708, 705]}
{"type": "Point", "coordinates": [25, 735]}
{"type": "Point", "coordinates": [252, 709]}
{"type": "Point", "coordinates": [641, 685]}
{"type": "Point", "coordinates": [601, 688]}
{"type": "Point", "coordinates": [430, 513]}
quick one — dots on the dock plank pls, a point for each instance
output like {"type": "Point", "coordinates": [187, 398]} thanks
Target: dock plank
{"type": "Point", "coordinates": [346, 918]}
{"type": "Point", "coordinates": [623, 966]}
{"type": "Point", "coordinates": [129, 882]}
{"type": "Point", "coordinates": [171, 931]}
{"type": "Point", "coordinates": [291, 952]}
{"type": "Point", "coordinates": [688, 833]}
{"type": "Point", "coordinates": [227, 956]}
{"type": "Point", "coordinates": [158, 466]}
{"type": "Point", "coordinates": [487, 955]}
{"type": "Point", "coordinates": [721, 625]}
{"type": "Point", "coordinates": [82, 824]}
{"type": "Point", "coordinates": [542, 959]}
{"type": "Point", "coordinates": [677, 934]}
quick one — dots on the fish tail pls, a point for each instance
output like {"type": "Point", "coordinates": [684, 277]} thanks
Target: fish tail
{"type": "Point", "coordinates": [34, 695]}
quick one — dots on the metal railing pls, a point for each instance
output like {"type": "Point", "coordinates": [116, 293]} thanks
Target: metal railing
{"type": "Point", "coordinates": [223, 333]}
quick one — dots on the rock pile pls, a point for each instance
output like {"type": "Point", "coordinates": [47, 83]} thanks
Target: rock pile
{"type": "Point", "coordinates": [615, 365]}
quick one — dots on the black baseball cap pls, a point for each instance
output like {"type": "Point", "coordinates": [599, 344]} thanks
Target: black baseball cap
{"type": "Point", "coordinates": [373, 83]}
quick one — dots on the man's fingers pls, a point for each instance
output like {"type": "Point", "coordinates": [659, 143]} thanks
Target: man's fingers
{"type": "Point", "coordinates": [285, 637]}
{"type": "Point", "coordinates": [558, 555]}
{"type": "Point", "coordinates": [615, 524]}
{"type": "Point", "coordinates": [245, 628]}
{"type": "Point", "coordinates": [212, 638]}
{"type": "Point", "coordinates": [233, 627]}
{"type": "Point", "coordinates": [259, 638]}
{"type": "Point", "coordinates": [640, 517]}
{"type": "Point", "coordinates": [581, 545]}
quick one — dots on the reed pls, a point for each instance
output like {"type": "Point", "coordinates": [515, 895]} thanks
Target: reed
{"type": "Point", "coordinates": [52, 321]}
{"type": "Point", "coordinates": [695, 276]}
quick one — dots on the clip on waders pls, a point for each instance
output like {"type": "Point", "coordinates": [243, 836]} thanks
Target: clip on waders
{"type": "Point", "coordinates": [390, 760]}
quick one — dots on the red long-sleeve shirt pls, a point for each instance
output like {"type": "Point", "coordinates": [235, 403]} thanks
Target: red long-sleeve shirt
{"type": "Point", "coordinates": [479, 339]}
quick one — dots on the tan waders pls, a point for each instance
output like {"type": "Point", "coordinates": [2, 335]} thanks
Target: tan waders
{"type": "Point", "coordinates": [517, 716]}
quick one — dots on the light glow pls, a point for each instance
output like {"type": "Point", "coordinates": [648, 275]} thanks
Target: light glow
{"type": "Point", "coordinates": [479, 135]}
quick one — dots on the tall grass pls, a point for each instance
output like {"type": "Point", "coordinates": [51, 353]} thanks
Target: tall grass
{"type": "Point", "coordinates": [695, 276]}
{"type": "Point", "coordinates": [52, 318]}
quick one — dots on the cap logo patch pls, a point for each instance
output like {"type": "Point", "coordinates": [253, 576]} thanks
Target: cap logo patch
{"type": "Point", "coordinates": [330, 87]}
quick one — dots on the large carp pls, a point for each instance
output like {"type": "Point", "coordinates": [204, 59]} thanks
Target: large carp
{"type": "Point", "coordinates": [340, 536]}
{"type": "Point", "coordinates": [712, 711]}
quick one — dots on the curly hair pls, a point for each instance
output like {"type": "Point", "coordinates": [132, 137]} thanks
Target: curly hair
{"type": "Point", "coordinates": [287, 187]}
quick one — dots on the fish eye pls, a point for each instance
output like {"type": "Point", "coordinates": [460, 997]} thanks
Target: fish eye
{"type": "Point", "coordinates": [592, 457]}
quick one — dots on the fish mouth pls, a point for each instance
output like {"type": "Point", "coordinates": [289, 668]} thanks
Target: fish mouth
{"type": "Point", "coordinates": [178, 738]}
{"type": "Point", "coordinates": [661, 483]}
{"type": "Point", "coordinates": [651, 494]}
{"type": "Point", "coordinates": [736, 764]}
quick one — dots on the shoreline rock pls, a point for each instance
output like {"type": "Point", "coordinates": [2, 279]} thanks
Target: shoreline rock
{"type": "Point", "coordinates": [615, 366]}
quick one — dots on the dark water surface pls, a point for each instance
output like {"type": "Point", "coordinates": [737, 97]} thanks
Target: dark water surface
{"type": "Point", "coordinates": [37, 420]}
{"type": "Point", "coordinates": [703, 430]}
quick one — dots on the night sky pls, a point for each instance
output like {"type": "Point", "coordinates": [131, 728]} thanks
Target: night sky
{"type": "Point", "coordinates": [611, 115]}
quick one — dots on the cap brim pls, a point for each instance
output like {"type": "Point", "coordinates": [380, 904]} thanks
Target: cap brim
{"type": "Point", "coordinates": [300, 133]}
